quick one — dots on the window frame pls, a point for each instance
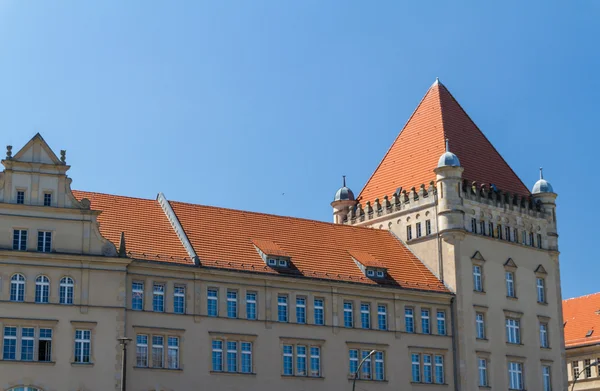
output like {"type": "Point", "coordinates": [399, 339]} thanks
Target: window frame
{"type": "Point", "coordinates": [66, 291]}
{"type": "Point", "coordinates": [46, 238]}
{"type": "Point", "coordinates": [42, 289]}
{"type": "Point", "coordinates": [348, 314]}
{"type": "Point", "coordinates": [137, 295]}
{"type": "Point", "coordinates": [319, 311]}
{"type": "Point", "coordinates": [282, 308]}
{"type": "Point", "coordinates": [251, 305]}
{"type": "Point", "coordinates": [232, 304]}
{"type": "Point", "coordinates": [158, 297]}
{"type": "Point", "coordinates": [179, 299]}
{"type": "Point", "coordinates": [20, 239]}
{"type": "Point", "coordinates": [425, 321]}
{"type": "Point", "coordinates": [18, 287]}
{"type": "Point", "coordinates": [212, 302]}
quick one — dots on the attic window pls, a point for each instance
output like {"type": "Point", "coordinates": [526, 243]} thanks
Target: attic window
{"type": "Point", "coordinates": [380, 273]}
{"type": "Point", "coordinates": [282, 263]}
{"type": "Point", "coordinates": [589, 333]}
{"type": "Point", "coordinates": [271, 253]}
{"type": "Point", "coordinates": [272, 262]}
{"type": "Point", "coordinates": [370, 273]}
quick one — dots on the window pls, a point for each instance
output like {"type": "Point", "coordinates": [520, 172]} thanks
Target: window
{"type": "Point", "coordinates": [483, 375]}
{"type": "Point", "coordinates": [524, 238]}
{"type": "Point", "coordinates": [25, 338]}
{"type": "Point", "coordinates": [587, 369]}
{"type": "Point", "coordinates": [45, 345]}
{"type": "Point", "coordinates": [179, 299]}
{"type": "Point", "coordinates": [513, 333]}
{"type": "Point", "coordinates": [212, 298]}
{"type": "Point", "coordinates": [427, 372]}
{"type": "Point", "coordinates": [510, 284]}
{"type": "Point", "coordinates": [480, 325]}
{"type": "Point", "coordinates": [232, 353]}
{"type": "Point", "coordinates": [282, 263]}
{"type": "Point", "coordinates": [531, 243]}
{"type": "Point", "coordinates": [44, 241]}
{"type": "Point", "coordinates": [474, 225]}
{"type": "Point", "coordinates": [82, 346]}
{"type": "Point", "coordinates": [516, 235]}
{"type": "Point", "coordinates": [416, 368]}
{"type": "Point", "coordinates": [409, 320]}
{"type": "Point", "coordinates": [507, 233]}
{"type": "Point", "coordinates": [491, 229]}
{"type": "Point", "coordinates": [47, 199]}
{"type": "Point", "coordinates": [365, 315]}
{"type": "Point", "coordinates": [366, 370]}
{"type": "Point", "coordinates": [301, 360]}
{"type": "Point", "coordinates": [408, 232]}
{"type": "Point", "coordinates": [158, 351]}
{"type": "Point", "coordinates": [20, 239]}
{"type": "Point", "coordinates": [158, 298]}
{"type": "Point", "coordinates": [441, 323]}
{"type": "Point", "coordinates": [27, 342]}
{"type": "Point", "coordinates": [141, 350]}
{"type": "Point", "coordinates": [439, 369]}
{"type": "Point", "coordinates": [348, 314]}
{"type": "Point", "coordinates": [24, 389]}
{"type": "Point", "coordinates": [300, 310]}
{"type": "Point", "coordinates": [66, 290]}
{"type": "Point", "coordinates": [546, 379]}
{"type": "Point", "coordinates": [541, 290]}
{"type": "Point", "coordinates": [20, 197]}
{"type": "Point", "coordinates": [482, 227]}
{"type": "Point", "coordinates": [379, 366]}
{"type": "Point", "coordinates": [10, 343]}
{"type": "Point", "coordinates": [42, 289]}
{"type": "Point", "coordinates": [282, 309]}
{"type": "Point", "coordinates": [353, 362]}
{"type": "Point", "coordinates": [425, 325]}
{"type": "Point", "coordinates": [370, 273]}
{"type": "Point", "coordinates": [315, 361]}
{"type": "Point", "coordinates": [251, 305]}
{"type": "Point", "coordinates": [217, 355]}
{"type": "Point", "coordinates": [137, 296]}
{"type": "Point", "coordinates": [301, 352]}
{"type": "Point", "coordinates": [17, 287]}
{"type": "Point", "coordinates": [232, 304]}
{"type": "Point", "coordinates": [575, 369]}
{"type": "Point", "coordinates": [544, 335]}
{"type": "Point", "coordinates": [499, 230]}
{"type": "Point", "coordinates": [246, 357]}
{"type": "Point", "coordinates": [288, 360]}
{"type": "Point", "coordinates": [319, 312]}
{"type": "Point", "coordinates": [382, 316]}
{"type": "Point", "coordinates": [380, 274]}
{"type": "Point", "coordinates": [477, 281]}
{"type": "Point", "coordinates": [235, 349]}
{"type": "Point", "coordinates": [418, 226]}
{"type": "Point", "coordinates": [272, 262]}
{"type": "Point", "coordinates": [515, 375]}
{"type": "Point", "coordinates": [173, 353]}
{"type": "Point", "coordinates": [539, 240]}
{"type": "Point", "coordinates": [427, 227]}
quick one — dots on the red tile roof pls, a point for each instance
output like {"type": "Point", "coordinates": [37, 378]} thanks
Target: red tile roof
{"type": "Point", "coordinates": [415, 152]}
{"type": "Point", "coordinates": [366, 259]}
{"type": "Point", "coordinates": [270, 248]}
{"type": "Point", "coordinates": [581, 315]}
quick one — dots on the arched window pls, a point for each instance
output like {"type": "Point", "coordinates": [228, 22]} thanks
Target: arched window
{"type": "Point", "coordinates": [24, 388]}
{"type": "Point", "coordinates": [66, 290]}
{"type": "Point", "coordinates": [42, 289]}
{"type": "Point", "coordinates": [17, 288]}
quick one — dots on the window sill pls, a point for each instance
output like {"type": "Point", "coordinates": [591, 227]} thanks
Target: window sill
{"type": "Point", "coordinates": [160, 369]}
{"type": "Point", "coordinates": [82, 364]}
{"type": "Point", "coordinates": [515, 298]}
{"type": "Point", "coordinates": [474, 291]}
{"type": "Point", "coordinates": [232, 373]}
{"type": "Point", "coordinates": [428, 384]}
{"type": "Point", "coordinates": [482, 339]}
{"type": "Point", "coordinates": [303, 377]}
{"type": "Point", "coordinates": [351, 378]}
{"type": "Point", "coordinates": [541, 303]}
{"type": "Point", "coordinates": [28, 362]}
{"type": "Point", "coordinates": [514, 344]}
{"type": "Point", "coordinates": [485, 387]}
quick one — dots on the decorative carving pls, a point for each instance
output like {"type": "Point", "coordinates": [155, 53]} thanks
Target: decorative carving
{"type": "Point", "coordinates": [8, 152]}
{"type": "Point", "coordinates": [108, 249]}
{"type": "Point", "coordinates": [63, 156]}
{"type": "Point", "coordinates": [85, 203]}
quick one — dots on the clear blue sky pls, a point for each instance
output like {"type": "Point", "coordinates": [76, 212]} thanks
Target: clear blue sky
{"type": "Point", "coordinates": [263, 106]}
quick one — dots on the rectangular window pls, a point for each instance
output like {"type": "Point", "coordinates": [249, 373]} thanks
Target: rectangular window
{"type": "Point", "coordinates": [217, 355]}
{"type": "Point", "coordinates": [319, 312]}
{"type": "Point", "coordinates": [44, 241]}
{"type": "Point", "coordinates": [416, 368]}
{"type": "Point", "coordinates": [348, 314]}
{"type": "Point", "coordinates": [510, 284]}
{"type": "Point", "coordinates": [587, 369]}
{"type": "Point", "coordinates": [544, 335]}
{"type": "Point", "coordinates": [45, 345]}
{"type": "Point", "coordinates": [282, 309]}
{"type": "Point", "coordinates": [47, 199]}
{"type": "Point", "coordinates": [300, 360]}
{"type": "Point", "coordinates": [513, 333]}
{"type": "Point", "coordinates": [418, 226]}
{"type": "Point", "coordinates": [300, 310]}
{"type": "Point", "coordinates": [179, 299]}
{"type": "Point", "coordinates": [158, 298]}
{"type": "Point", "coordinates": [137, 296]}
{"type": "Point", "coordinates": [27, 343]}
{"type": "Point", "coordinates": [439, 369]}
{"type": "Point", "coordinates": [515, 375]}
{"type": "Point", "coordinates": [288, 360]}
{"type": "Point", "coordinates": [212, 298]}
{"type": "Point", "coordinates": [474, 225]}
{"type": "Point", "coordinates": [382, 316]}
{"type": "Point", "coordinates": [516, 235]}
{"type": "Point", "coordinates": [379, 366]}
{"type": "Point", "coordinates": [366, 370]}
{"type": "Point", "coordinates": [173, 353]}
{"type": "Point", "coordinates": [546, 379]}
{"type": "Point", "coordinates": [539, 240]}
{"type": "Point", "coordinates": [353, 361]}
{"type": "Point", "coordinates": [541, 290]}
{"type": "Point", "coordinates": [409, 320]}
{"type": "Point", "coordinates": [427, 227]}
{"type": "Point", "coordinates": [507, 233]}
{"type": "Point", "coordinates": [482, 228]}
{"type": "Point", "coordinates": [477, 280]}
{"type": "Point", "coordinates": [246, 357]}
{"type": "Point", "coordinates": [42, 289]}
{"type": "Point", "coordinates": [575, 369]}
{"type": "Point", "coordinates": [483, 376]}
{"type": "Point", "coordinates": [10, 343]}
{"type": "Point", "coordinates": [82, 346]}
{"type": "Point", "coordinates": [441, 323]}
{"type": "Point", "coordinates": [158, 351]}
{"type": "Point", "coordinates": [427, 372]}
{"type": "Point", "coordinates": [499, 230]}
{"type": "Point", "coordinates": [365, 315]}
{"type": "Point", "coordinates": [232, 304]}
{"type": "Point", "coordinates": [531, 243]}
{"type": "Point", "coordinates": [232, 352]}
{"type": "Point", "coordinates": [251, 305]}
{"type": "Point", "coordinates": [480, 325]}
{"type": "Point", "coordinates": [141, 350]}
{"type": "Point", "coordinates": [524, 238]}
{"type": "Point", "coordinates": [315, 361]}
{"type": "Point", "coordinates": [491, 229]}
{"type": "Point", "coordinates": [408, 232]}
{"type": "Point", "coordinates": [425, 325]}
{"type": "Point", "coordinates": [20, 239]}
{"type": "Point", "coordinates": [20, 197]}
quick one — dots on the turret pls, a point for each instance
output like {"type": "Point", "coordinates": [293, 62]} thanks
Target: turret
{"type": "Point", "coordinates": [342, 201]}
{"type": "Point", "coordinates": [544, 195]}
{"type": "Point", "coordinates": [448, 180]}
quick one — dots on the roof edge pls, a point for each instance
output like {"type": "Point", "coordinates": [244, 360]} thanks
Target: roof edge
{"type": "Point", "coordinates": [179, 231]}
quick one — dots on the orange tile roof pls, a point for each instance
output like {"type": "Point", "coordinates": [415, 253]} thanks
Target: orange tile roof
{"type": "Point", "coordinates": [581, 315]}
{"type": "Point", "coordinates": [270, 248]}
{"type": "Point", "coordinates": [148, 232]}
{"type": "Point", "coordinates": [366, 259]}
{"type": "Point", "coordinates": [415, 152]}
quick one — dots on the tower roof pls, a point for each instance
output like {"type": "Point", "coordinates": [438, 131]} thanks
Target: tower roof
{"type": "Point", "coordinates": [411, 159]}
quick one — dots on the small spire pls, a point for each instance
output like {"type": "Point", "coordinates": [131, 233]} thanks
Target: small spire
{"type": "Point", "coordinates": [541, 173]}
{"type": "Point", "coordinates": [344, 180]}
{"type": "Point", "coordinates": [437, 79]}
{"type": "Point", "coordinates": [122, 247]}
{"type": "Point", "coordinates": [447, 148]}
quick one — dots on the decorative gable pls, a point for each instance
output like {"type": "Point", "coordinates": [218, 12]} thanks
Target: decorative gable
{"type": "Point", "coordinates": [510, 263]}
{"type": "Point", "coordinates": [478, 257]}
{"type": "Point", "coordinates": [540, 270]}
{"type": "Point", "coordinates": [368, 264]}
{"type": "Point", "coordinates": [271, 253]}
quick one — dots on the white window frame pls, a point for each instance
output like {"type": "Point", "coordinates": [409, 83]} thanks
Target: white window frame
{"type": "Point", "coordinates": [510, 283]}
{"type": "Point", "coordinates": [478, 278]}
{"type": "Point", "coordinates": [546, 378]}
{"type": "Point", "coordinates": [319, 307]}
{"type": "Point", "coordinates": [82, 341]}
{"type": "Point", "coordinates": [158, 296]}
{"type": "Point", "coordinates": [480, 325]}
{"type": "Point", "coordinates": [46, 241]}
{"type": "Point", "coordinates": [513, 331]}
{"type": "Point", "coordinates": [17, 283]}
{"type": "Point", "coordinates": [409, 313]}
{"type": "Point", "coordinates": [232, 303]}
{"type": "Point", "coordinates": [544, 342]}
{"type": "Point", "coordinates": [158, 347]}
{"type": "Point", "coordinates": [482, 364]}
{"type": "Point", "coordinates": [42, 283]}
{"type": "Point", "coordinates": [212, 299]}
{"type": "Point", "coordinates": [382, 314]}
{"type": "Point", "coordinates": [172, 351]}
{"type": "Point", "coordinates": [418, 226]}
{"type": "Point", "coordinates": [441, 319]}
{"type": "Point", "coordinates": [179, 294]}
{"type": "Point", "coordinates": [66, 290]}
{"type": "Point", "coordinates": [541, 290]}
{"type": "Point", "coordinates": [137, 289]}
{"type": "Point", "coordinates": [282, 308]}
{"type": "Point", "coordinates": [425, 321]}
{"type": "Point", "coordinates": [427, 227]}
{"type": "Point", "coordinates": [515, 375]}
{"type": "Point", "coordinates": [141, 351]}
{"type": "Point", "coordinates": [349, 310]}
{"type": "Point", "coordinates": [251, 303]}
{"type": "Point", "coordinates": [365, 313]}
{"type": "Point", "coordinates": [21, 236]}
{"type": "Point", "coordinates": [300, 309]}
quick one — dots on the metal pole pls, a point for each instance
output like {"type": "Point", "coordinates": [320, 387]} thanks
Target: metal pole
{"type": "Point", "coordinates": [360, 365]}
{"type": "Point", "coordinates": [123, 341]}
{"type": "Point", "coordinates": [579, 374]}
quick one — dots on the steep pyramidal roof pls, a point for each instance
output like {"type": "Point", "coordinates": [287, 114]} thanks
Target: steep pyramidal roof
{"type": "Point", "coordinates": [415, 152]}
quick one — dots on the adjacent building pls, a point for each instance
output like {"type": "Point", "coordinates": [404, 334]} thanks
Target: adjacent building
{"type": "Point", "coordinates": [442, 274]}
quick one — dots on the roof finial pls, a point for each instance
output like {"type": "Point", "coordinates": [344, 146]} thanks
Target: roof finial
{"type": "Point", "coordinates": [541, 173]}
{"type": "Point", "coordinates": [344, 180]}
{"type": "Point", "coordinates": [437, 79]}
{"type": "Point", "coordinates": [447, 148]}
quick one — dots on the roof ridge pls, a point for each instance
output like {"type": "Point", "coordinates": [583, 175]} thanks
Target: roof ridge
{"type": "Point", "coordinates": [582, 297]}
{"type": "Point", "coordinates": [114, 195]}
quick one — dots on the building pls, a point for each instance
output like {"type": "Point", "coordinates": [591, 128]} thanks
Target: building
{"type": "Point", "coordinates": [582, 341]}
{"type": "Point", "coordinates": [434, 277]}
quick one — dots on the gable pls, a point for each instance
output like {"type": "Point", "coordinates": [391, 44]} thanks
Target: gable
{"type": "Point", "coordinates": [37, 151]}
{"type": "Point", "coordinates": [510, 263]}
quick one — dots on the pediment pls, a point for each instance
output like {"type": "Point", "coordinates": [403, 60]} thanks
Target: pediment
{"type": "Point", "coordinates": [510, 263]}
{"type": "Point", "coordinates": [541, 270]}
{"type": "Point", "coordinates": [478, 257]}
{"type": "Point", "coordinates": [36, 150]}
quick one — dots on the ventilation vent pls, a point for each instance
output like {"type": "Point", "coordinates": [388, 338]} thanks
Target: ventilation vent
{"type": "Point", "coordinates": [589, 333]}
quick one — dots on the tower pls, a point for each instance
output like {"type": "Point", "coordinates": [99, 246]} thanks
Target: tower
{"type": "Point", "coordinates": [343, 199]}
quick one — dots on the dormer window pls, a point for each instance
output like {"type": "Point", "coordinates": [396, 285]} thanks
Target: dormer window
{"type": "Point", "coordinates": [20, 196]}
{"type": "Point", "coordinates": [380, 274]}
{"type": "Point", "coordinates": [272, 262]}
{"type": "Point", "coordinates": [370, 273]}
{"type": "Point", "coordinates": [271, 253]}
{"type": "Point", "coordinates": [282, 263]}
{"type": "Point", "coordinates": [368, 264]}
